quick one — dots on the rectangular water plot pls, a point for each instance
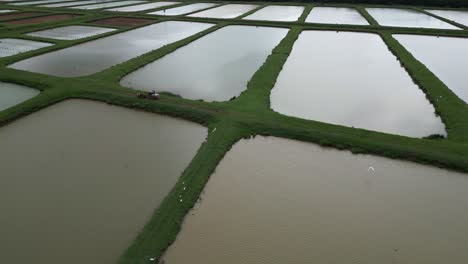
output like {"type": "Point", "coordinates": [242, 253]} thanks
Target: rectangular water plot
{"type": "Point", "coordinates": [277, 13]}
{"type": "Point", "coordinates": [75, 3]}
{"type": "Point", "coordinates": [396, 17]}
{"type": "Point", "coordinates": [111, 4]}
{"type": "Point", "coordinates": [454, 15]}
{"type": "Point", "coordinates": [95, 56]}
{"type": "Point", "coordinates": [71, 32]}
{"type": "Point", "coordinates": [280, 201]}
{"type": "Point", "coordinates": [10, 47]}
{"type": "Point", "coordinates": [182, 10]}
{"type": "Point", "coordinates": [80, 179]}
{"type": "Point", "coordinates": [37, 2]}
{"type": "Point", "coordinates": [199, 71]}
{"type": "Point", "coordinates": [41, 19]}
{"type": "Point", "coordinates": [336, 15]}
{"type": "Point", "coordinates": [225, 11]}
{"type": "Point", "coordinates": [142, 7]}
{"type": "Point", "coordinates": [444, 56]}
{"type": "Point", "coordinates": [352, 79]}
{"type": "Point", "coordinates": [13, 94]}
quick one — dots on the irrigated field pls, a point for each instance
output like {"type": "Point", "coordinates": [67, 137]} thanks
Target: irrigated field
{"type": "Point", "coordinates": [389, 81]}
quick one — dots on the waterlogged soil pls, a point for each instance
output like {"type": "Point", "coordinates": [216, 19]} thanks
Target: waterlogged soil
{"type": "Point", "coordinates": [20, 14]}
{"type": "Point", "coordinates": [42, 19]}
{"type": "Point", "coordinates": [80, 179]}
{"type": "Point", "coordinates": [280, 201]}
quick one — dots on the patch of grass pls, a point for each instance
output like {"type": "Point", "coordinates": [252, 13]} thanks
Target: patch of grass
{"type": "Point", "coordinates": [247, 115]}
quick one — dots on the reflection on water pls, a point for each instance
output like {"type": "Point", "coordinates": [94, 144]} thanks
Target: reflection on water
{"type": "Point", "coordinates": [444, 57]}
{"type": "Point", "coordinates": [216, 67]}
{"type": "Point", "coordinates": [336, 15]}
{"type": "Point", "coordinates": [13, 94]}
{"type": "Point", "coordinates": [226, 11]}
{"type": "Point", "coordinates": [97, 55]}
{"type": "Point", "coordinates": [277, 13]}
{"type": "Point", "coordinates": [406, 18]}
{"type": "Point", "coordinates": [457, 16]}
{"type": "Point", "coordinates": [352, 79]}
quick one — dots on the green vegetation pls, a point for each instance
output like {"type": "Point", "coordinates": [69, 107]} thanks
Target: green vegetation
{"type": "Point", "coordinates": [247, 115]}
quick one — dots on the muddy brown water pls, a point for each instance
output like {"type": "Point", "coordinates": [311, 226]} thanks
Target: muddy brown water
{"type": "Point", "coordinates": [280, 201]}
{"type": "Point", "coordinates": [80, 179]}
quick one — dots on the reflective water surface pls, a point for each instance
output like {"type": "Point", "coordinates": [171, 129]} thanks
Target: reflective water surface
{"type": "Point", "coordinates": [111, 4]}
{"type": "Point", "coordinates": [71, 32]}
{"type": "Point", "coordinates": [74, 3]}
{"type": "Point", "coordinates": [97, 55]}
{"type": "Point", "coordinates": [336, 15]}
{"type": "Point", "coordinates": [406, 18]}
{"type": "Point", "coordinates": [135, 8]}
{"type": "Point", "coordinates": [13, 94]}
{"type": "Point", "coordinates": [352, 79]}
{"type": "Point", "coordinates": [279, 201]}
{"type": "Point", "coordinates": [213, 68]}
{"type": "Point", "coordinates": [226, 11]}
{"type": "Point", "coordinates": [444, 56]}
{"type": "Point", "coordinates": [10, 46]}
{"type": "Point", "coordinates": [183, 9]}
{"type": "Point", "coordinates": [80, 179]}
{"type": "Point", "coordinates": [277, 13]}
{"type": "Point", "coordinates": [454, 15]}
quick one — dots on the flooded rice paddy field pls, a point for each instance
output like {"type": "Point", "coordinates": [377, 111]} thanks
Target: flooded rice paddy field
{"type": "Point", "coordinates": [444, 62]}
{"type": "Point", "coordinates": [358, 98]}
{"type": "Point", "coordinates": [277, 13]}
{"type": "Point", "coordinates": [94, 56]}
{"type": "Point", "coordinates": [336, 15]}
{"type": "Point", "coordinates": [407, 18]}
{"type": "Point", "coordinates": [13, 94]}
{"type": "Point", "coordinates": [80, 179]}
{"type": "Point", "coordinates": [135, 8]}
{"type": "Point", "coordinates": [71, 32]}
{"type": "Point", "coordinates": [225, 11]}
{"type": "Point", "coordinates": [457, 16]}
{"type": "Point", "coordinates": [183, 9]}
{"type": "Point", "coordinates": [274, 200]}
{"type": "Point", "coordinates": [216, 78]}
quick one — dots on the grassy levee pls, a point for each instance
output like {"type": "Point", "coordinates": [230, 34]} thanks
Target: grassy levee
{"type": "Point", "coordinates": [256, 98]}
{"type": "Point", "coordinates": [452, 110]}
{"type": "Point", "coordinates": [117, 72]}
{"type": "Point", "coordinates": [248, 114]}
{"type": "Point", "coordinates": [362, 10]}
{"type": "Point", "coordinates": [166, 222]}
